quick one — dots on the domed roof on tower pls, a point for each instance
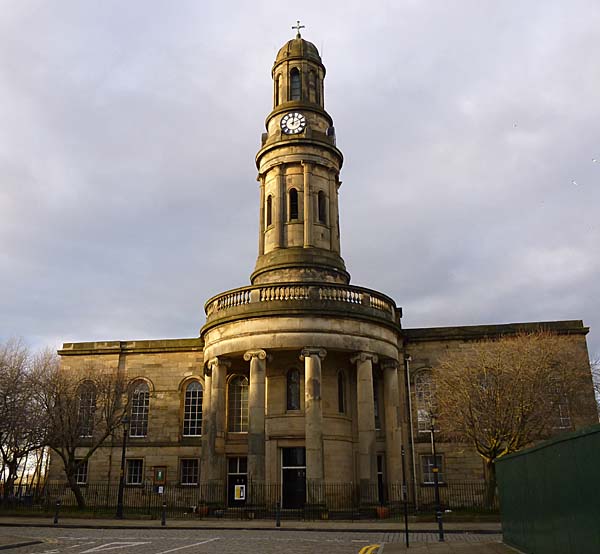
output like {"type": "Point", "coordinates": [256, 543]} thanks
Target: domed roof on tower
{"type": "Point", "coordinates": [298, 48]}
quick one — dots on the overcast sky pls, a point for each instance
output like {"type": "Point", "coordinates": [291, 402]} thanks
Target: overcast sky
{"type": "Point", "coordinates": [128, 130]}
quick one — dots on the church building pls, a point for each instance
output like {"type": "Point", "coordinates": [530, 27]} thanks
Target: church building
{"type": "Point", "coordinates": [300, 378]}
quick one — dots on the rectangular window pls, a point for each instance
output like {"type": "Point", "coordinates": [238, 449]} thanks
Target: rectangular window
{"type": "Point", "coordinates": [189, 471]}
{"type": "Point", "coordinates": [134, 472]}
{"type": "Point", "coordinates": [427, 469]}
{"type": "Point", "coordinates": [82, 473]}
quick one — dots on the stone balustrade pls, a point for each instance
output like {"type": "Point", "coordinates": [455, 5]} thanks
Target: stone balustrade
{"type": "Point", "coordinates": [293, 297]}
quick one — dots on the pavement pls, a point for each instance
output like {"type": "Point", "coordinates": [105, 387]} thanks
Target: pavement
{"type": "Point", "coordinates": [375, 526]}
{"type": "Point", "coordinates": [381, 537]}
{"type": "Point", "coordinates": [450, 548]}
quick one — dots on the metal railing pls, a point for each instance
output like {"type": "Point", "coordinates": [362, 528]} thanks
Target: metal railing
{"type": "Point", "coordinates": [346, 501]}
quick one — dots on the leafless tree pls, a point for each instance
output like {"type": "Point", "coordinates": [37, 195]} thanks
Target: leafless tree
{"type": "Point", "coordinates": [501, 395]}
{"type": "Point", "coordinates": [83, 408]}
{"type": "Point", "coordinates": [22, 423]}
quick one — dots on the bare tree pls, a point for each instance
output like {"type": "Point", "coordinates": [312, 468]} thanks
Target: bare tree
{"type": "Point", "coordinates": [22, 424]}
{"type": "Point", "coordinates": [83, 408]}
{"type": "Point", "coordinates": [501, 395]}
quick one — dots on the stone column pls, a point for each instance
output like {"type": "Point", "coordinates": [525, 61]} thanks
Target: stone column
{"type": "Point", "coordinates": [262, 224]}
{"type": "Point", "coordinates": [367, 464]}
{"type": "Point", "coordinates": [218, 367]}
{"type": "Point", "coordinates": [277, 206]}
{"type": "Point", "coordinates": [308, 215]}
{"type": "Point", "coordinates": [313, 422]}
{"type": "Point", "coordinates": [393, 420]}
{"type": "Point", "coordinates": [256, 412]}
{"type": "Point", "coordinates": [332, 215]}
{"type": "Point", "coordinates": [208, 439]}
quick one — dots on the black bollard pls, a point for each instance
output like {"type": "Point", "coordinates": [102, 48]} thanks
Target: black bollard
{"type": "Point", "coordinates": [163, 519]}
{"type": "Point", "coordinates": [56, 512]}
{"type": "Point", "coordinates": [278, 514]}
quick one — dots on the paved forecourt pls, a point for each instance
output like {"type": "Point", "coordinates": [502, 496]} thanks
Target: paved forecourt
{"type": "Point", "coordinates": [223, 541]}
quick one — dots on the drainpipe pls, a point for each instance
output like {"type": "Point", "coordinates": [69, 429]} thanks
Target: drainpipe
{"type": "Point", "coordinates": [407, 360]}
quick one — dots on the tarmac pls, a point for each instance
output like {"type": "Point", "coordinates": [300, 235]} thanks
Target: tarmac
{"type": "Point", "coordinates": [450, 547]}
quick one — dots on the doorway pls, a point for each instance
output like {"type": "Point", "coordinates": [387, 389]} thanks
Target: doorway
{"type": "Point", "coordinates": [237, 481]}
{"type": "Point", "coordinates": [293, 477]}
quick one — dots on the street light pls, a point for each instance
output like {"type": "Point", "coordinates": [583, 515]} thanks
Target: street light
{"type": "Point", "coordinates": [436, 481]}
{"type": "Point", "coordinates": [125, 422]}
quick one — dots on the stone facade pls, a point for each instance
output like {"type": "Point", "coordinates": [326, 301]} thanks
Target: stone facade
{"type": "Point", "coordinates": [304, 377]}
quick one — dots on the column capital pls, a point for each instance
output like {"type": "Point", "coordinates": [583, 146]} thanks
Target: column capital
{"type": "Point", "coordinates": [307, 352]}
{"type": "Point", "coordinates": [218, 361]}
{"type": "Point", "coordinates": [258, 353]}
{"type": "Point", "coordinates": [389, 363]}
{"type": "Point", "coordinates": [364, 357]}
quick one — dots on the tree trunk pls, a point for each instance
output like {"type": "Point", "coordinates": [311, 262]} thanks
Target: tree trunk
{"type": "Point", "coordinates": [72, 480]}
{"type": "Point", "coordinates": [9, 483]}
{"type": "Point", "coordinates": [490, 485]}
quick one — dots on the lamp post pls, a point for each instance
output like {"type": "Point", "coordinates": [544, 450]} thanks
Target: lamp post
{"type": "Point", "coordinates": [436, 482]}
{"type": "Point", "coordinates": [125, 422]}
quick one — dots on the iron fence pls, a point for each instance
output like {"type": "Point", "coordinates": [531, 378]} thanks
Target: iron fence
{"type": "Point", "coordinates": [346, 501]}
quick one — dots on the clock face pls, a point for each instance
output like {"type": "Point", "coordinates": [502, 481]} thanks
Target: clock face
{"type": "Point", "coordinates": [293, 123]}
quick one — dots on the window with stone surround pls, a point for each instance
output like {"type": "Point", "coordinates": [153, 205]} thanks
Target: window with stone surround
{"type": "Point", "coordinates": [87, 408]}
{"type": "Point", "coordinates": [295, 84]}
{"type": "Point", "coordinates": [293, 194]}
{"type": "Point", "coordinates": [237, 404]}
{"type": "Point", "coordinates": [140, 404]}
{"type": "Point", "coordinates": [134, 471]}
{"type": "Point", "coordinates": [427, 469]}
{"type": "Point", "coordinates": [192, 410]}
{"type": "Point", "coordinates": [269, 210]}
{"type": "Point", "coordinates": [81, 476]}
{"type": "Point", "coordinates": [376, 407]}
{"type": "Point", "coordinates": [293, 389]}
{"type": "Point", "coordinates": [341, 390]}
{"type": "Point", "coordinates": [189, 471]}
{"type": "Point", "coordinates": [321, 207]}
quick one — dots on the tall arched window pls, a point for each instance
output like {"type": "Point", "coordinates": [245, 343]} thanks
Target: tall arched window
{"type": "Point", "coordinates": [341, 389]}
{"type": "Point", "coordinates": [293, 389]}
{"type": "Point", "coordinates": [424, 394]}
{"type": "Point", "coordinates": [295, 84]}
{"type": "Point", "coordinates": [192, 410]}
{"type": "Point", "coordinates": [269, 210]}
{"type": "Point", "coordinates": [237, 409]}
{"type": "Point", "coordinates": [322, 207]}
{"type": "Point", "coordinates": [87, 408]}
{"type": "Point", "coordinates": [293, 204]}
{"type": "Point", "coordinates": [140, 403]}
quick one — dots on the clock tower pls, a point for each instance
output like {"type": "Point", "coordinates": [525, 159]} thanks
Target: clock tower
{"type": "Point", "coordinates": [298, 171]}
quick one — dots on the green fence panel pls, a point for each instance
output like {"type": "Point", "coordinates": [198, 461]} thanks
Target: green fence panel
{"type": "Point", "coordinates": [550, 495]}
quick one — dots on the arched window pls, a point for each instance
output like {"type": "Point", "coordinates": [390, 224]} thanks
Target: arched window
{"type": "Point", "coordinates": [293, 204]}
{"type": "Point", "coordinates": [424, 394]}
{"type": "Point", "coordinates": [192, 410]}
{"type": "Point", "coordinates": [322, 207]}
{"type": "Point", "coordinates": [140, 402]}
{"type": "Point", "coordinates": [341, 389]}
{"type": "Point", "coordinates": [295, 84]}
{"type": "Point", "coordinates": [293, 389]}
{"type": "Point", "coordinates": [269, 210]}
{"type": "Point", "coordinates": [87, 408]}
{"type": "Point", "coordinates": [237, 409]}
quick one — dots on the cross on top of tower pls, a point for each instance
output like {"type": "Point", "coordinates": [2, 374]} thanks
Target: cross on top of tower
{"type": "Point", "coordinates": [298, 27]}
